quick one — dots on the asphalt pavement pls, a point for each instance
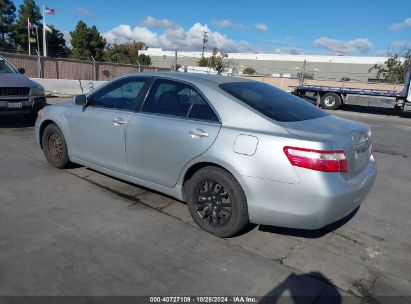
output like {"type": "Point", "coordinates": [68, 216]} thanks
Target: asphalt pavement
{"type": "Point", "coordinates": [78, 232]}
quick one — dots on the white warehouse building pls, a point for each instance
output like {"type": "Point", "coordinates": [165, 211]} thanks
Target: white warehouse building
{"type": "Point", "coordinates": [330, 67]}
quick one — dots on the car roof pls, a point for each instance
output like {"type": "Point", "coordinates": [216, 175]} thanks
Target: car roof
{"type": "Point", "coordinates": [192, 77]}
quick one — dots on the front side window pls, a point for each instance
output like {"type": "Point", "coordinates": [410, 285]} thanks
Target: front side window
{"type": "Point", "coordinates": [122, 95]}
{"type": "Point", "coordinates": [177, 99]}
{"type": "Point", "coordinates": [272, 102]}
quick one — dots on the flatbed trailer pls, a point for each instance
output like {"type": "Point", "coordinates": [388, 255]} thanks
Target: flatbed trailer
{"type": "Point", "coordinates": [333, 98]}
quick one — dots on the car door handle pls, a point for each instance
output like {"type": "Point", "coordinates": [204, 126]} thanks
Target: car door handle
{"type": "Point", "coordinates": [198, 133]}
{"type": "Point", "coordinates": [119, 121]}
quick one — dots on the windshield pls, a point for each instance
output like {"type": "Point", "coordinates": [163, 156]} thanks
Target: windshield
{"type": "Point", "coordinates": [272, 102]}
{"type": "Point", "coordinates": [6, 67]}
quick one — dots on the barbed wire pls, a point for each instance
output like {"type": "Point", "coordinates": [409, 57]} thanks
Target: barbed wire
{"type": "Point", "coordinates": [24, 51]}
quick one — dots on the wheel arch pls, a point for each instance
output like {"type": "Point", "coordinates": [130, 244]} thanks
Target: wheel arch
{"type": "Point", "coordinates": [195, 167]}
{"type": "Point", "coordinates": [43, 126]}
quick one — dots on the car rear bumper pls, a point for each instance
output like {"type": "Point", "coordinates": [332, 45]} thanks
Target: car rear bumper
{"type": "Point", "coordinates": [26, 105]}
{"type": "Point", "coordinates": [312, 204]}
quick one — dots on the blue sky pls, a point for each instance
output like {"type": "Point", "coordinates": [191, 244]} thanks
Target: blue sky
{"type": "Point", "coordinates": [335, 27]}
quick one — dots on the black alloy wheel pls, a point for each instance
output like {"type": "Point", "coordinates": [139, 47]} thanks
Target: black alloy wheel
{"type": "Point", "coordinates": [216, 201]}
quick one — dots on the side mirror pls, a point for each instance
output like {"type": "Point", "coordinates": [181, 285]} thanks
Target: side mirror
{"type": "Point", "coordinates": [80, 100]}
{"type": "Point", "coordinates": [21, 71]}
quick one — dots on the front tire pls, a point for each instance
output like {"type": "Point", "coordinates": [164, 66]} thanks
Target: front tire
{"type": "Point", "coordinates": [217, 202]}
{"type": "Point", "coordinates": [331, 101]}
{"type": "Point", "coordinates": [55, 147]}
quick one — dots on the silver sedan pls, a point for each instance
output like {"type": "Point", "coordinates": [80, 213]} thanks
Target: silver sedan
{"type": "Point", "coordinates": [235, 150]}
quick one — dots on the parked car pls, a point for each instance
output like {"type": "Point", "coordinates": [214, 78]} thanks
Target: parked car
{"type": "Point", "coordinates": [235, 150]}
{"type": "Point", "coordinates": [19, 94]}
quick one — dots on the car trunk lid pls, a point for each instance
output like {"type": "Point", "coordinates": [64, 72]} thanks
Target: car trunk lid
{"type": "Point", "coordinates": [352, 137]}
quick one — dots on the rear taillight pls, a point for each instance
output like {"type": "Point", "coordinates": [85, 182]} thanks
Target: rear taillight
{"type": "Point", "coordinates": [320, 160]}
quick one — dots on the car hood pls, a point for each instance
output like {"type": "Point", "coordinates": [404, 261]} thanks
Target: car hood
{"type": "Point", "coordinates": [15, 80]}
{"type": "Point", "coordinates": [65, 104]}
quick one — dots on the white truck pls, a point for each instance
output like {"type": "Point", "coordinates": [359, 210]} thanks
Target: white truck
{"type": "Point", "coordinates": [333, 98]}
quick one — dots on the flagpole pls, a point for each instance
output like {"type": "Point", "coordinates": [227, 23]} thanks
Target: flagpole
{"type": "Point", "coordinates": [38, 42]}
{"type": "Point", "coordinates": [28, 34]}
{"type": "Point", "coordinates": [44, 32]}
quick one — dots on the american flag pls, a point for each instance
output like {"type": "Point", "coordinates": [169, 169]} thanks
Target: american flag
{"type": "Point", "coordinates": [49, 11]}
{"type": "Point", "coordinates": [29, 24]}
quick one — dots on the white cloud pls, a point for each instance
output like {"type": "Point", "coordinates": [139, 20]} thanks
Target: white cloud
{"type": "Point", "coordinates": [85, 13]}
{"type": "Point", "coordinates": [400, 25]}
{"type": "Point", "coordinates": [228, 23]}
{"type": "Point", "coordinates": [262, 27]}
{"type": "Point", "coordinates": [67, 37]}
{"type": "Point", "coordinates": [158, 23]}
{"type": "Point", "coordinates": [360, 45]}
{"type": "Point", "coordinates": [177, 38]}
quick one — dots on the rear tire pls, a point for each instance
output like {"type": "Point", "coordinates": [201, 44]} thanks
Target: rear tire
{"type": "Point", "coordinates": [217, 202]}
{"type": "Point", "coordinates": [55, 147]}
{"type": "Point", "coordinates": [331, 101]}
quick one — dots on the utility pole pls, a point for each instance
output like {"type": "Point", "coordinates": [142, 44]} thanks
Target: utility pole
{"type": "Point", "coordinates": [205, 40]}
{"type": "Point", "coordinates": [301, 81]}
{"type": "Point", "coordinates": [175, 61]}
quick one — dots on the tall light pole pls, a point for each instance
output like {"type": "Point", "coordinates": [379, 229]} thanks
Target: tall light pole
{"type": "Point", "coordinates": [37, 37]}
{"type": "Point", "coordinates": [44, 32]}
{"type": "Point", "coordinates": [28, 35]}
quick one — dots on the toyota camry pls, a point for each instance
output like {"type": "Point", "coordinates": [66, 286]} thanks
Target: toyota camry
{"type": "Point", "coordinates": [235, 150]}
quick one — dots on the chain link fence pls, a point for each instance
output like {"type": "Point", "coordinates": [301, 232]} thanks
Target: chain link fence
{"type": "Point", "coordinates": [62, 68]}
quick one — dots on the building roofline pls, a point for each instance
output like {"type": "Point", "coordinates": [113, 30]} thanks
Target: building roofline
{"type": "Point", "coordinates": [274, 57]}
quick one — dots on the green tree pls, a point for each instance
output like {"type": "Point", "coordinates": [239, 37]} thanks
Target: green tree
{"type": "Point", "coordinates": [124, 53]}
{"type": "Point", "coordinates": [28, 10]}
{"type": "Point", "coordinates": [87, 42]}
{"type": "Point", "coordinates": [144, 59]}
{"type": "Point", "coordinates": [215, 61]}
{"type": "Point", "coordinates": [56, 44]}
{"type": "Point", "coordinates": [393, 69]}
{"type": "Point", "coordinates": [249, 71]}
{"type": "Point", "coordinates": [7, 18]}
{"type": "Point", "coordinates": [203, 62]}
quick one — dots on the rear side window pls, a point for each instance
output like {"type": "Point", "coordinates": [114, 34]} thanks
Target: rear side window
{"type": "Point", "coordinates": [179, 99]}
{"type": "Point", "coordinates": [272, 102]}
{"type": "Point", "coordinates": [169, 98]}
{"type": "Point", "coordinates": [202, 110]}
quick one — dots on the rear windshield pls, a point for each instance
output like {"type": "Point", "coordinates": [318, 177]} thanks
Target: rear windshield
{"type": "Point", "coordinates": [272, 102]}
{"type": "Point", "coordinates": [6, 67]}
